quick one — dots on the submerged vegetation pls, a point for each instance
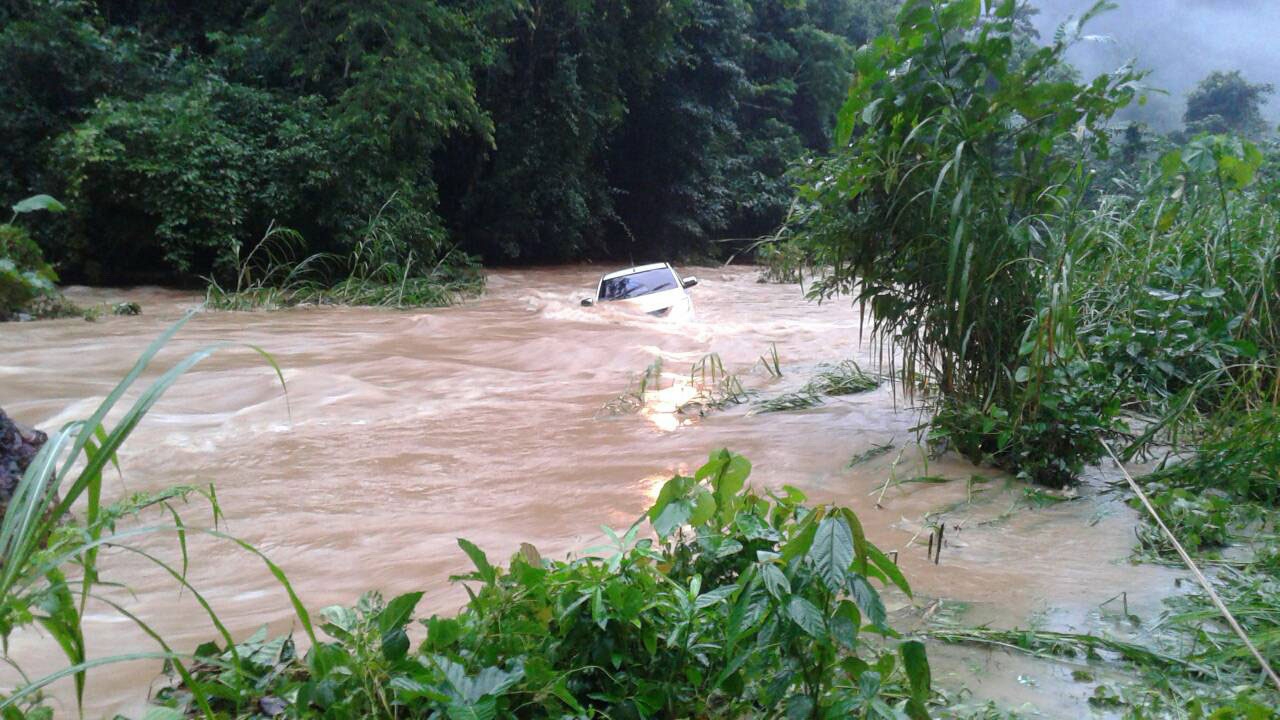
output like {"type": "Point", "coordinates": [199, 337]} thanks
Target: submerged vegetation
{"type": "Point", "coordinates": [379, 272]}
{"type": "Point", "coordinates": [710, 386]}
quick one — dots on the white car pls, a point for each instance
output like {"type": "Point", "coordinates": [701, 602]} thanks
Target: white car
{"type": "Point", "coordinates": [655, 289]}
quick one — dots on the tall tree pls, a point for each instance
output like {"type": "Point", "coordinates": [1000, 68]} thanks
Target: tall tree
{"type": "Point", "coordinates": [559, 90]}
{"type": "Point", "coordinates": [399, 77]}
{"type": "Point", "coordinates": [1224, 102]}
{"type": "Point", "coordinates": [669, 162]}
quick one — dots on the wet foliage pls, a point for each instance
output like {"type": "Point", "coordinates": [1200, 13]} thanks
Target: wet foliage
{"type": "Point", "coordinates": [379, 271]}
{"type": "Point", "coordinates": [1040, 308]}
{"type": "Point", "coordinates": [738, 605]}
{"type": "Point", "coordinates": [49, 556]}
{"type": "Point", "coordinates": [26, 280]}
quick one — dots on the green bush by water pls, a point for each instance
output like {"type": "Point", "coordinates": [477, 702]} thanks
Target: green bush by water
{"type": "Point", "coordinates": [743, 605]}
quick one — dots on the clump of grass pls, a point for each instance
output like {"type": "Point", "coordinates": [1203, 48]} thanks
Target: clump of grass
{"type": "Point", "coordinates": [716, 387]}
{"type": "Point", "coordinates": [632, 399]}
{"type": "Point", "coordinates": [379, 272]}
{"type": "Point", "coordinates": [802, 399]}
{"type": "Point", "coordinates": [713, 386]}
{"type": "Point", "coordinates": [771, 363]}
{"type": "Point", "coordinates": [845, 378]}
{"type": "Point", "coordinates": [870, 453]}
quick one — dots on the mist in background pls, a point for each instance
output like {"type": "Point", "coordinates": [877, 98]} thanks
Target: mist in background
{"type": "Point", "coordinates": [1179, 42]}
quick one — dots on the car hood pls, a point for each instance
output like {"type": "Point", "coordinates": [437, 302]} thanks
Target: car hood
{"type": "Point", "coordinates": [653, 302]}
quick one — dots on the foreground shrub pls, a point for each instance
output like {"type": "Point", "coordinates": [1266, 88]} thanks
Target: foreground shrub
{"type": "Point", "coordinates": [26, 280]}
{"type": "Point", "coordinates": [743, 605]}
{"type": "Point", "coordinates": [24, 275]}
{"type": "Point", "coordinates": [49, 555]}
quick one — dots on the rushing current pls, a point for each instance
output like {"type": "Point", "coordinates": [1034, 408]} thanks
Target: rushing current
{"type": "Point", "coordinates": [399, 431]}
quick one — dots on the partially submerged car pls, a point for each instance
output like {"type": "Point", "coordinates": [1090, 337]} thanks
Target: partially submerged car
{"type": "Point", "coordinates": [655, 289]}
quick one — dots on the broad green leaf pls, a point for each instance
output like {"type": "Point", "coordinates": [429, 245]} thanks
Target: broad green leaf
{"type": "Point", "coordinates": [704, 507]}
{"type": "Point", "coordinates": [484, 710]}
{"type": "Point", "coordinates": [340, 620]}
{"type": "Point", "coordinates": [478, 558]}
{"type": "Point", "coordinates": [398, 611]}
{"type": "Point", "coordinates": [775, 581]}
{"type": "Point", "coordinates": [916, 664]}
{"type": "Point", "coordinates": [832, 552]}
{"type": "Point", "coordinates": [859, 538]}
{"type": "Point", "coordinates": [868, 601]}
{"type": "Point", "coordinates": [802, 540]}
{"type": "Point", "coordinates": [672, 517]}
{"type": "Point", "coordinates": [845, 624]}
{"type": "Point", "coordinates": [728, 473]}
{"type": "Point", "coordinates": [889, 568]}
{"type": "Point", "coordinates": [672, 489]}
{"type": "Point", "coordinates": [39, 202]}
{"type": "Point", "coordinates": [807, 616]}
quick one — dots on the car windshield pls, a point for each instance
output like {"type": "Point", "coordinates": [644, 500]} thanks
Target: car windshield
{"type": "Point", "coordinates": [637, 284]}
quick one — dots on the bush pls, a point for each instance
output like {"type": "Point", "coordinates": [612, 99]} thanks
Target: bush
{"type": "Point", "coordinates": [744, 606]}
{"type": "Point", "coordinates": [1047, 437]}
{"type": "Point", "coordinates": [172, 182]}
{"type": "Point", "coordinates": [56, 58]}
{"type": "Point", "coordinates": [24, 275]}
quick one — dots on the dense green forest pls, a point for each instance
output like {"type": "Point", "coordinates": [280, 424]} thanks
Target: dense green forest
{"type": "Point", "coordinates": [516, 131]}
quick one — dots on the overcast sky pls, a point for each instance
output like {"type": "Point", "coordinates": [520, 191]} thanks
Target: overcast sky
{"type": "Point", "coordinates": [1179, 41]}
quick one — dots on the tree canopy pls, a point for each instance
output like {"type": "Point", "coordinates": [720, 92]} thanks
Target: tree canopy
{"type": "Point", "coordinates": [516, 130]}
{"type": "Point", "coordinates": [1224, 102]}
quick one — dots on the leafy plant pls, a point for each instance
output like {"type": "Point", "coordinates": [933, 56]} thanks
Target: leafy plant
{"type": "Point", "coordinates": [49, 558]}
{"type": "Point", "coordinates": [946, 211]}
{"type": "Point", "coordinates": [846, 378]}
{"type": "Point", "coordinates": [744, 605]}
{"type": "Point", "coordinates": [25, 277]}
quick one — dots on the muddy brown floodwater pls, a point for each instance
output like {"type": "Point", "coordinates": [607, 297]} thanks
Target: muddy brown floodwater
{"type": "Point", "coordinates": [404, 430]}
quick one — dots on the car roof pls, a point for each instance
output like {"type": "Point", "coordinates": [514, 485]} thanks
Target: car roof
{"type": "Point", "coordinates": [636, 269]}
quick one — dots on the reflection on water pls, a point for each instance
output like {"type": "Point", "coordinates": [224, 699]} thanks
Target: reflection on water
{"type": "Point", "coordinates": [662, 406]}
{"type": "Point", "coordinates": [406, 430]}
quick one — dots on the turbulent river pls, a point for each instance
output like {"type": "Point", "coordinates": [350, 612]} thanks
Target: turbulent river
{"type": "Point", "coordinates": [403, 430]}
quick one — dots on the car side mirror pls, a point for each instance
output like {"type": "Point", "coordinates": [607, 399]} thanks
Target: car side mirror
{"type": "Point", "coordinates": [588, 302]}
{"type": "Point", "coordinates": [689, 281]}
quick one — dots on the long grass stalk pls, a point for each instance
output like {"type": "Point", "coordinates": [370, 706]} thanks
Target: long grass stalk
{"type": "Point", "coordinates": [1195, 570]}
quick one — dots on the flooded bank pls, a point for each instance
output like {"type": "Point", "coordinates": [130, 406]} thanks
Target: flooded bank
{"type": "Point", "coordinates": [403, 430]}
